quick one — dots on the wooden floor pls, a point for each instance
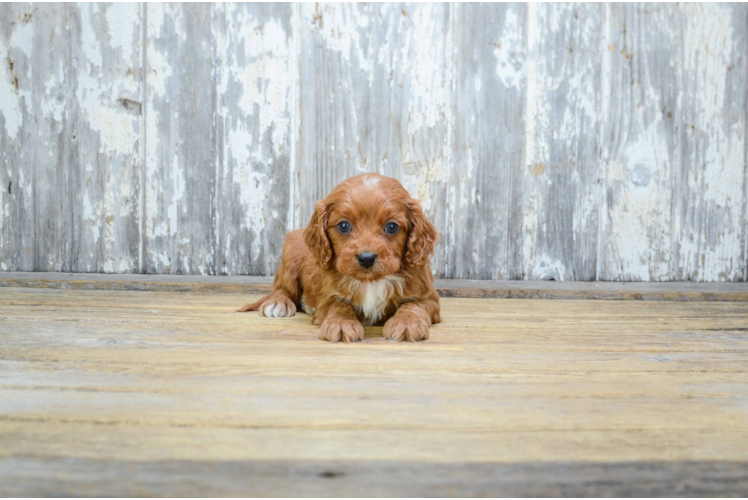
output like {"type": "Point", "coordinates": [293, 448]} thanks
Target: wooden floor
{"type": "Point", "coordinates": [164, 393]}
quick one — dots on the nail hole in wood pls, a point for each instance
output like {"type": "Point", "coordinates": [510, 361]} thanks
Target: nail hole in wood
{"type": "Point", "coordinates": [330, 474]}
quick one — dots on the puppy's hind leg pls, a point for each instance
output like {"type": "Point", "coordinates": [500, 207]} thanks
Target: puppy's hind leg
{"type": "Point", "coordinates": [287, 284]}
{"type": "Point", "coordinates": [276, 305]}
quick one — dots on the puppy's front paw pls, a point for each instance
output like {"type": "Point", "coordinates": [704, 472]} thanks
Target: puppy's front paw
{"type": "Point", "coordinates": [278, 306]}
{"type": "Point", "coordinates": [341, 330]}
{"type": "Point", "coordinates": [406, 326]}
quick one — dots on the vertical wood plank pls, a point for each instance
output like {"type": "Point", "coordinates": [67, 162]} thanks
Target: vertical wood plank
{"type": "Point", "coordinates": [639, 140]}
{"type": "Point", "coordinates": [334, 95]}
{"type": "Point", "coordinates": [16, 197]}
{"type": "Point", "coordinates": [490, 60]}
{"type": "Point", "coordinates": [710, 190]}
{"type": "Point", "coordinates": [255, 101]}
{"type": "Point", "coordinates": [376, 96]}
{"type": "Point", "coordinates": [105, 137]}
{"type": "Point", "coordinates": [411, 104]}
{"type": "Point", "coordinates": [180, 149]}
{"type": "Point", "coordinates": [34, 66]}
{"type": "Point", "coordinates": [561, 192]}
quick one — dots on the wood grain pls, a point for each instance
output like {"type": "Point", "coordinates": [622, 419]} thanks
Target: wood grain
{"type": "Point", "coordinates": [376, 96]}
{"type": "Point", "coordinates": [508, 289]}
{"type": "Point", "coordinates": [640, 141]}
{"type": "Point", "coordinates": [334, 96]}
{"type": "Point", "coordinates": [566, 141]}
{"type": "Point", "coordinates": [102, 188]}
{"type": "Point", "coordinates": [571, 390]}
{"type": "Point", "coordinates": [485, 232]}
{"type": "Point", "coordinates": [254, 65]}
{"type": "Point", "coordinates": [711, 229]}
{"type": "Point", "coordinates": [561, 190]}
{"type": "Point", "coordinates": [35, 137]}
{"type": "Point", "coordinates": [46, 477]}
{"type": "Point", "coordinates": [180, 141]}
{"type": "Point", "coordinates": [412, 107]}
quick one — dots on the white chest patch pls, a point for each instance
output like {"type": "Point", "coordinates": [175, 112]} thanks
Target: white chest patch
{"type": "Point", "coordinates": [371, 297]}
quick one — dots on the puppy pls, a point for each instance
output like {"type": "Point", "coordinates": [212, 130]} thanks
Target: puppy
{"type": "Point", "coordinates": [363, 260]}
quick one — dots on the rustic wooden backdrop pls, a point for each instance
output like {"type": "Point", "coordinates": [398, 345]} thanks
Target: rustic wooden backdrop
{"type": "Point", "coordinates": [573, 142]}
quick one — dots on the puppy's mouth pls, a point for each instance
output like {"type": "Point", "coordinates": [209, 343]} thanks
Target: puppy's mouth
{"type": "Point", "coordinates": [367, 274]}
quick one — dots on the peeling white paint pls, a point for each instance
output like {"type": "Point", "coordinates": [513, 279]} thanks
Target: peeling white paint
{"type": "Point", "coordinates": [255, 85]}
{"type": "Point", "coordinates": [509, 52]}
{"type": "Point", "coordinates": [546, 268]}
{"type": "Point", "coordinates": [641, 226]}
{"type": "Point", "coordinates": [716, 173]}
{"type": "Point", "coordinates": [90, 218]}
{"type": "Point", "coordinates": [159, 67]}
{"type": "Point", "coordinates": [178, 190]}
{"type": "Point", "coordinates": [534, 119]}
{"type": "Point", "coordinates": [264, 76]}
{"type": "Point", "coordinates": [391, 77]}
{"type": "Point", "coordinates": [428, 142]}
{"type": "Point", "coordinates": [339, 30]}
{"type": "Point", "coordinates": [54, 105]}
{"type": "Point", "coordinates": [89, 41]}
{"type": "Point", "coordinates": [10, 107]}
{"type": "Point", "coordinates": [116, 128]}
{"type": "Point", "coordinates": [123, 26]}
{"type": "Point", "coordinates": [97, 94]}
{"type": "Point", "coordinates": [430, 96]}
{"type": "Point", "coordinates": [11, 98]}
{"type": "Point", "coordinates": [159, 71]}
{"type": "Point", "coordinates": [22, 38]}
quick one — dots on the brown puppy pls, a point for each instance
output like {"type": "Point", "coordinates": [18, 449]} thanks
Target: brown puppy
{"type": "Point", "coordinates": [364, 258]}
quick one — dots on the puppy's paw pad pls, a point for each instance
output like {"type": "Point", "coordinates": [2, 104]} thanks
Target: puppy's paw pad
{"type": "Point", "coordinates": [399, 329]}
{"type": "Point", "coordinates": [341, 330]}
{"type": "Point", "coordinates": [278, 308]}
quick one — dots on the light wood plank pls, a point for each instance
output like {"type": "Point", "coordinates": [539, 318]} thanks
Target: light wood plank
{"type": "Point", "coordinates": [255, 92]}
{"type": "Point", "coordinates": [376, 93]}
{"type": "Point", "coordinates": [560, 181]}
{"type": "Point", "coordinates": [640, 142]}
{"type": "Point", "coordinates": [411, 107]}
{"type": "Point", "coordinates": [333, 94]}
{"type": "Point", "coordinates": [103, 168]}
{"type": "Point", "coordinates": [710, 226]}
{"type": "Point", "coordinates": [180, 155]}
{"type": "Point", "coordinates": [486, 203]}
{"type": "Point", "coordinates": [35, 137]}
{"type": "Point", "coordinates": [50, 477]}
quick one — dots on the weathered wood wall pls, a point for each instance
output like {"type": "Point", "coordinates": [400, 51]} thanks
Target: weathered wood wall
{"type": "Point", "coordinates": [573, 142]}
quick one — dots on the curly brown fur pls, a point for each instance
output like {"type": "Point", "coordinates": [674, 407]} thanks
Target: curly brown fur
{"type": "Point", "coordinates": [321, 270]}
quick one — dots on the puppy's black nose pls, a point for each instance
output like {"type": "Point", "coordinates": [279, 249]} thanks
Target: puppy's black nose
{"type": "Point", "coordinates": [366, 259]}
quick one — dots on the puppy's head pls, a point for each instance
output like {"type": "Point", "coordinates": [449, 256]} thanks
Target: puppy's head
{"type": "Point", "coordinates": [369, 227]}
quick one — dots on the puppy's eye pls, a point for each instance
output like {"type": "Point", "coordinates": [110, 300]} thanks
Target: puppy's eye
{"type": "Point", "coordinates": [344, 227]}
{"type": "Point", "coordinates": [391, 228]}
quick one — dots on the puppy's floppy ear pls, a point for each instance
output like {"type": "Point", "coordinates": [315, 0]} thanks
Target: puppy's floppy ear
{"type": "Point", "coordinates": [315, 235]}
{"type": "Point", "coordinates": [421, 238]}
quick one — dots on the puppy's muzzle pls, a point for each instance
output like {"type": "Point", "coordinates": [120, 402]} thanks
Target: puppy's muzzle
{"type": "Point", "coordinates": [366, 259]}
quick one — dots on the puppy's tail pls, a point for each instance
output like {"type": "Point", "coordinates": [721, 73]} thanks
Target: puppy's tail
{"type": "Point", "coordinates": [254, 306]}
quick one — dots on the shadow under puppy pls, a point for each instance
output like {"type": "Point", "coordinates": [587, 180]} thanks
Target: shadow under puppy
{"type": "Point", "coordinates": [363, 260]}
